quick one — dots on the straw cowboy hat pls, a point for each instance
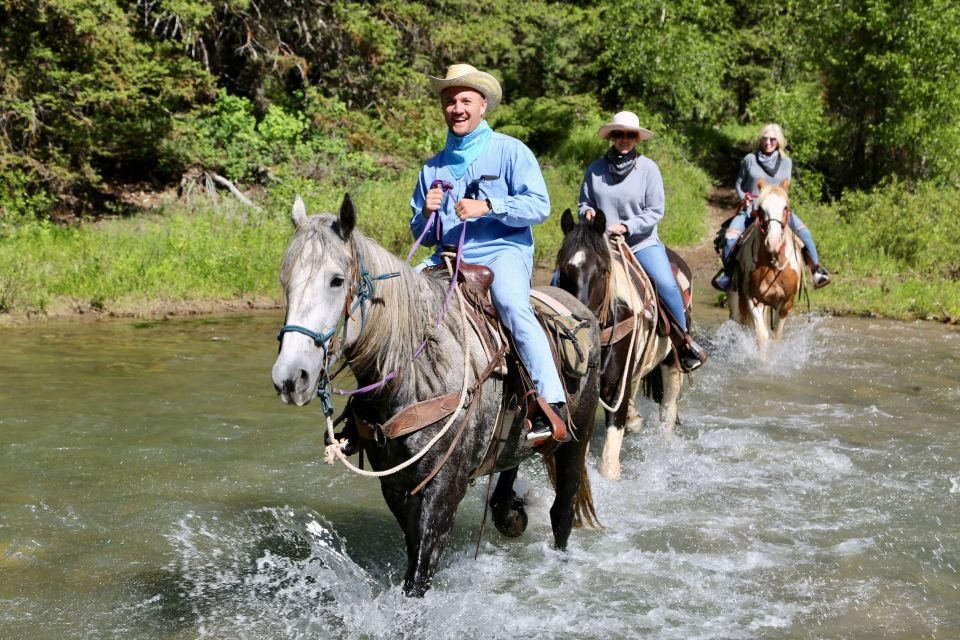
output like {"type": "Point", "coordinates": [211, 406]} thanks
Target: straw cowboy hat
{"type": "Point", "coordinates": [624, 121]}
{"type": "Point", "coordinates": [465, 75]}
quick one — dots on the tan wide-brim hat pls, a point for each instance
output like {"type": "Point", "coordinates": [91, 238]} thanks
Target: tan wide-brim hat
{"type": "Point", "coordinates": [624, 121]}
{"type": "Point", "coordinates": [465, 75]}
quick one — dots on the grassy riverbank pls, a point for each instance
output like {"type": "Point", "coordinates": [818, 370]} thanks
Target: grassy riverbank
{"type": "Point", "coordinates": [195, 255]}
{"type": "Point", "coordinates": [893, 252]}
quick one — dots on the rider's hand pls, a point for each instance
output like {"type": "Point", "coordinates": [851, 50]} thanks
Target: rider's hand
{"type": "Point", "coordinates": [433, 201]}
{"type": "Point", "coordinates": [617, 229]}
{"type": "Point", "coordinates": [588, 214]}
{"type": "Point", "coordinates": [467, 208]}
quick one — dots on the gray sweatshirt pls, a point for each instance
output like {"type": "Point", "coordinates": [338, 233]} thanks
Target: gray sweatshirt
{"type": "Point", "coordinates": [751, 172]}
{"type": "Point", "coordinates": [637, 202]}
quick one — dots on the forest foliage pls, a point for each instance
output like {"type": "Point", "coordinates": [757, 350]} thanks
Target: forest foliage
{"type": "Point", "coordinates": [98, 95]}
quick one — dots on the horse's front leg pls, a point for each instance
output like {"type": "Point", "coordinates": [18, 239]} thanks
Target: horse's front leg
{"type": "Point", "coordinates": [611, 383]}
{"type": "Point", "coordinates": [760, 327]}
{"type": "Point", "coordinates": [434, 519]}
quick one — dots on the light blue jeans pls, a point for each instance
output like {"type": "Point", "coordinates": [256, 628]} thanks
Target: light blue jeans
{"type": "Point", "coordinates": [654, 261]}
{"type": "Point", "coordinates": [739, 223]}
{"type": "Point", "coordinates": [510, 292]}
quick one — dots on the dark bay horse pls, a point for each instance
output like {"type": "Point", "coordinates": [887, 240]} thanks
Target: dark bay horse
{"type": "Point", "coordinates": [767, 270]}
{"type": "Point", "coordinates": [388, 331]}
{"type": "Point", "coordinates": [635, 356]}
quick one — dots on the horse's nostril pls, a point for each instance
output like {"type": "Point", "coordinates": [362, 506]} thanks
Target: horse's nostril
{"type": "Point", "coordinates": [304, 377]}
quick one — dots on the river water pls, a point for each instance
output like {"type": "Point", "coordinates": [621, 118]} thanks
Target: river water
{"type": "Point", "coordinates": [152, 486]}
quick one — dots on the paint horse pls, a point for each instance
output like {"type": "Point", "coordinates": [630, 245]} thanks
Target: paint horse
{"type": "Point", "coordinates": [413, 364]}
{"type": "Point", "coordinates": [633, 354]}
{"type": "Point", "coordinates": [767, 267]}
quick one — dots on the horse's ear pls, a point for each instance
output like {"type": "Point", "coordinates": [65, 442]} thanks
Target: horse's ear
{"type": "Point", "coordinates": [348, 217]}
{"type": "Point", "coordinates": [599, 221]}
{"type": "Point", "coordinates": [566, 222]}
{"type": "Point", "coordinates": [785, 185]}
{"type": "Point", "coordinates": [760, 185]}
{"type": "Point", "coordinates": [299, 213]}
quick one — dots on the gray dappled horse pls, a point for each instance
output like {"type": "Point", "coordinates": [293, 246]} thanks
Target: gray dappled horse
{"type": "Point", "coordinates": [394, 330]}
{"type": "Point", "coordinates": [634, 355]}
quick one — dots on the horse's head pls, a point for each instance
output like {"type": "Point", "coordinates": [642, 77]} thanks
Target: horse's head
{"type": "Point", "coordinates": [773, 213]}
{"type": "Point", "coordinates": [317, 276]}
{"type": "Point", "coordinates": [583, 263]}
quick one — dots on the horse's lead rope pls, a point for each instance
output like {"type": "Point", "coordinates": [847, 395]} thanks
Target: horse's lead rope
{"type": "Point", "coordinates": [633, 341]}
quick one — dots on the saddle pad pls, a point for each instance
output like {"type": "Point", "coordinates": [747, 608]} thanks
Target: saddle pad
{"type": "Point", "coordinates": [570, 333]}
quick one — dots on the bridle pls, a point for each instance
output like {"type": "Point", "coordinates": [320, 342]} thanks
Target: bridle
{"type": "Point", "coordinates": [763, 221]}
{"type": "Point", "coordinates": [362, 291]}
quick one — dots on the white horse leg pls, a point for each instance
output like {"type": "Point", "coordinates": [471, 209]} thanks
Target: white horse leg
{"type": "Point", "coordinates": [634, 421]}
{"type": "Point", "coordinates": [760, 327]}
{"type": "Point", "coordinates": [672, 382]}
{"type": "Point", "coordinates": [610, 458]}
{"type": "Point", "coordinates": [778, 324]}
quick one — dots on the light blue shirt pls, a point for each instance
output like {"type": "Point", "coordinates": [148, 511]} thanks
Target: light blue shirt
{"type": "Point", "coordinates": [637, 201]}
{"type": "Point", "coordinates": [506, 173]}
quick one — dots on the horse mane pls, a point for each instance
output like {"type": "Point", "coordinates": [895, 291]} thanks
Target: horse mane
{"type": "Point", "coordinates": [399, 317]}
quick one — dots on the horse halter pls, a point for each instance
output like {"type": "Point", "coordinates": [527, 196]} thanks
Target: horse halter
{"type": "Point", "coordinates": [763, 222]}
{"type": "Point", "coordinates": [363, 289]}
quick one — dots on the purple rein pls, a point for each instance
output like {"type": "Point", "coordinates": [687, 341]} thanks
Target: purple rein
{"type": "Point", "coordinates": [447, 187]}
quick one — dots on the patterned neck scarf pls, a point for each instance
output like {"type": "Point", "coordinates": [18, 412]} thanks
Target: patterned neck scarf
{"type": "Point", "coordinates": [620, 165]}
{"type": "Point", "coordinates": [461, 151]}
{"type": "Point", "coordinates": [769, 163]}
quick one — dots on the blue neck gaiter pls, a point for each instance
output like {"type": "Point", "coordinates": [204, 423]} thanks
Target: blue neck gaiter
{"type": "Point", "coordinates": [461, 151]}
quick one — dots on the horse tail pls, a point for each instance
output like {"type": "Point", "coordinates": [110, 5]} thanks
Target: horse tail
{"type": "Point", "coordinates": [584, 510]}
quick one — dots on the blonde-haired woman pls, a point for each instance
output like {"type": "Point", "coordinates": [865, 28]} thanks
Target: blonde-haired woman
{"type": "Point", "coordinates": [770, 163]}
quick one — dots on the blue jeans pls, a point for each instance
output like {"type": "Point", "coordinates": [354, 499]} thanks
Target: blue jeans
{"type": "Point", "coordinates": [739, 223]}
{"type": "Point", "coordinates": [654, 261]}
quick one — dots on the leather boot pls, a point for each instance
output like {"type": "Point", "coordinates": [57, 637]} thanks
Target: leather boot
{"type": "Point", "coordinates": [542, 429]}
{"type": "Point", "coordinates": [692, 356]}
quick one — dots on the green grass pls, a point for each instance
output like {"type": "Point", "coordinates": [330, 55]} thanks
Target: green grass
{"type": "Point", "coordinates": [894, 252]}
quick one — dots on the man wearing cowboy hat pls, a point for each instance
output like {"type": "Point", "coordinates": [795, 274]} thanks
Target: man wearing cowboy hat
{"type": "Point", "coordinates": [491, 183]}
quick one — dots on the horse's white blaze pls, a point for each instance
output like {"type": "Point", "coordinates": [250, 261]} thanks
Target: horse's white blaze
{"type": "Point", "coordinates": [775, 207]}
{"type": "Point", "coordinates": [577, 259]}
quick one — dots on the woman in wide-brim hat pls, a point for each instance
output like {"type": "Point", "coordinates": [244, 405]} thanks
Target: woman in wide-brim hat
{"type": "Point", "coordinates": [628, 188]}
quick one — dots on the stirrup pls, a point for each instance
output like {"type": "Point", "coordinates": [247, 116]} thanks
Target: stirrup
{"type": "Point", "coordinates": [717, 281]}
{"type": "Point", "coordinates": [821, 277]}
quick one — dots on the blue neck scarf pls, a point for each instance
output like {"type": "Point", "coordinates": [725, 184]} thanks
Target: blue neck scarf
{"type": "Point", "coordinates": [461, 151]}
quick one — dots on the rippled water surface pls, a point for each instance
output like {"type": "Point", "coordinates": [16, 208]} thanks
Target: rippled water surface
{"type": "Point", "coordinates": [152, 486]}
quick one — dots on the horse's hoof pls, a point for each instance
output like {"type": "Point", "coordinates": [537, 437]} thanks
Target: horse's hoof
{"type": "Point", "coordinates": [634, 425]}
{"type": "Point", "coordinates": [510, 518]}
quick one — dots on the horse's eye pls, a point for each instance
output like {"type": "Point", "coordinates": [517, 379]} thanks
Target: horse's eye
{"type": "Point", "coordinates": [336, 281]}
